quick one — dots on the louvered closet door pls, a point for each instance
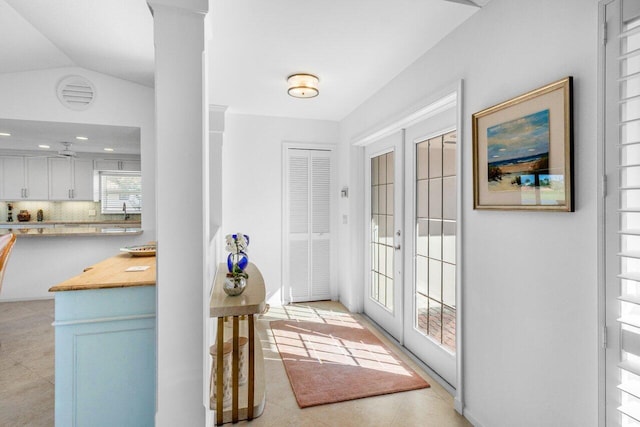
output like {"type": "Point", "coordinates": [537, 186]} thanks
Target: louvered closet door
{"type": "Point", "coordinates": [307, 270]}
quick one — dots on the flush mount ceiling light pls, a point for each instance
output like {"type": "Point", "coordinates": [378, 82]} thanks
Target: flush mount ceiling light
{"type": "Point", "coordinates": [108, 149]}
{"type": "Point", "coordinates": [43, 146]}
{"type": "Point", "coordinates": [5, 134]}
{"type": "Point", "coordinates": [82, 138]}
{"type": "Point", "coordinates": [303, 85]}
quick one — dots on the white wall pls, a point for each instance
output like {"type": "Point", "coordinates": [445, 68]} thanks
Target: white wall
{"type": "Point", "coordinates": [530, 279]}
{"type": "Point", "coordinates": [32, 96]}
{"type": "Point", "coordinates": [252, 190]}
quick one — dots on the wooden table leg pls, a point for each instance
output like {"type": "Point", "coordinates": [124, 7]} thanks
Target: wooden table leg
{"type": "Point", "coordinates": [220, 372]}
{"type": "Point", "coordinates": [251, 363]}
{"type": "Point", "coordinates": [235, 368]}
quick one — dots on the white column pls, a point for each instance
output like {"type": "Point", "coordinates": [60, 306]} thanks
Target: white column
{"type": "Point", "coordinates": [179, 35]}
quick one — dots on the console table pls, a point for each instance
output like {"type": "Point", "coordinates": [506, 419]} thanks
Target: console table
{"type": "Point", "coordinates": [236, 314]}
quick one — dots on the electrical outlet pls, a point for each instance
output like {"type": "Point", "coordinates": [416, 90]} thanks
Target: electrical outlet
{"type": "Point", "coordinates": [92, 212]}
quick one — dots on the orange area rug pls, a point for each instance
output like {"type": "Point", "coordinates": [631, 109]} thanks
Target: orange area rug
{"type": "Point", "coordinates": [336, 359]}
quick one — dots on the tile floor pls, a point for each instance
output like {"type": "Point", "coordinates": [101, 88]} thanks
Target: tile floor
{"type": "Point", "coordinates": [431, 407]}
{"type": "Point", "coordinates": [27, 379]}
{"type": "Point", "coordinates": [26, 363]}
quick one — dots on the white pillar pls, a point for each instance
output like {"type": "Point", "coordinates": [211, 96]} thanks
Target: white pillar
{"type": "Point", "coordinates": [181, 162]}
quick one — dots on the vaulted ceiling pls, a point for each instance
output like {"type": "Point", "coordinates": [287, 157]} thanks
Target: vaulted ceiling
{"type": "Point", "coordinates": [355, 47]}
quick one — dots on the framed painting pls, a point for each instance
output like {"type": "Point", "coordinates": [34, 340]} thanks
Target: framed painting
{"type": "Point", "coordinates": [522, 151]}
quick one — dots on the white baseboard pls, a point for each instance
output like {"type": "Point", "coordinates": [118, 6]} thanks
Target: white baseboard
{"type": "Point", "coordinates": [469, 416]}
{"type": "Point", "coordinates": [457, 404]}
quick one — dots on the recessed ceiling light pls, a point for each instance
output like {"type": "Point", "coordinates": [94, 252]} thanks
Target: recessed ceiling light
{"type": "Point", "coordinates": [82, 138]}
{"type": "Point", "coordinates": [5, 134]}
{"type": "Point", "coordinates": [108, 149]}
{"type": "Point", "coordinates": [43, 146]}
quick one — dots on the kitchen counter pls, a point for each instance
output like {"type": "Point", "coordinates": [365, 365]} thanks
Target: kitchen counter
{"type": "Point", "coordinates": [111, 273]}
{"type": "Point", "coordinates": [79, 230]}
{"type": "Point", "coordinates": [34, 223]}
{"type": "Point", "coordinates": [105, 350]}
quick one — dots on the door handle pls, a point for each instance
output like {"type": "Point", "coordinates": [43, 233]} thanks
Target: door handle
{"type": "Point", "coordinates": [397, 247]}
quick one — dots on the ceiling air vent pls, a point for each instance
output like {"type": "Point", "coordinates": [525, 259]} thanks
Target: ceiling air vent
{"type": "Point", "coordinates": [76, 92]}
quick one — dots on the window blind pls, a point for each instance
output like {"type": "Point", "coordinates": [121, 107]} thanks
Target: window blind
{"type": "Point", "coordinates": [628, 190]}
{"type": "Point", "coordinates": [118, 189]}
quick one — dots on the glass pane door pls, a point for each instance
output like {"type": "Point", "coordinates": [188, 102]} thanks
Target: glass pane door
{"type": "Point", "coordinates": [435, 261]}
{"type": "Point", "coordinates": [430, 299]}
{"type": "Point", "coordinates": [382, 228]}
{"type": "Point", "coordinates": [384, 216]}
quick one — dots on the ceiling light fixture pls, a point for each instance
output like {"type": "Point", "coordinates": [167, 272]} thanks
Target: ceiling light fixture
{"type": "Point", "coordinates": [82, 138]}
{"type": "Point", "coordinates": [303, 85]}
{"type": "Point", "coordinates": [5, 134]}
{"type": "Point", "coordinates": [108, 149]}
{"type": "Point", "coordinates": [43, 146]}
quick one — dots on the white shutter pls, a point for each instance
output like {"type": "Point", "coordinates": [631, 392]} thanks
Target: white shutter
{"type": "Point", "coordinates": [298, 175]}
{"type": "Point", "coordinates": [623, 147]}
{"type": "Point", "coordinates": [308, 208]}
{"type": "Point", "coordinates": [298, 217]}
{"type": "Point", "coordinates": [321, 176]}
{"type": "Point", "coordinates": [320, 221]}
{"type": "Point", "coordinates": [321, 269]}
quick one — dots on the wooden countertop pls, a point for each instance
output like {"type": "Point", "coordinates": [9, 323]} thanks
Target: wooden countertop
{"type": "Point", "coordinates": [251, 301]}
{"type": "Point", "coordinates": [111, 273]}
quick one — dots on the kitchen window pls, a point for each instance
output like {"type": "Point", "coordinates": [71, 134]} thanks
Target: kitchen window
{"type": "Point", "coordinates": [120, 189]}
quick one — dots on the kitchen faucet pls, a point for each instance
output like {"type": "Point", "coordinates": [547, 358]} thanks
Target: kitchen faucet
{"type": "Point", "coordinates": [124, 209]}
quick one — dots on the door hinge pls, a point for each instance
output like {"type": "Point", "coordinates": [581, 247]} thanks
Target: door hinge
{"type": "Point", "coordinates": [604, 336]}
{"type": "Point", "coordinates": [604, 33]}
{"type": "Point", "coordinates": [604, 186]}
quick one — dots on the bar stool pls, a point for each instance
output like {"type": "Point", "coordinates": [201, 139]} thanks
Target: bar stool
{"type": "Point", "coordinates": [227, 348]}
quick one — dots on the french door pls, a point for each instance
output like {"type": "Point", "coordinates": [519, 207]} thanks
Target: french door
{"type": "Point", "coordinates": [412, 228]}
{"type": "Point", "coordinates": [432, 231]}
{"type": "Point", "coordinates": [384, 231]}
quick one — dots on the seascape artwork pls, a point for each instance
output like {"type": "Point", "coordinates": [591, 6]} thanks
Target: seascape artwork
{"type": "Point", "coordinates": [518, 153]}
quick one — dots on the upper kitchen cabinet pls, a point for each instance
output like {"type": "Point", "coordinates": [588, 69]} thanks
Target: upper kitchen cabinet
{"type": "Point", "coordinates": [23, 178]}
{"type": "Point", "coordinates": [117, 165]}
{"type": "Point", "coordinates": [70, 179]}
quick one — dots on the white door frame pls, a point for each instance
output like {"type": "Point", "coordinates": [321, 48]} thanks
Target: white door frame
{"type": "Point", "coordinates": [428, 107]}
{"type": "Point", "coordinates": [284, 288]}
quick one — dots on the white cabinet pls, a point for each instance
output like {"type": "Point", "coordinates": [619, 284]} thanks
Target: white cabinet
{"type": "Point", "coordinates": [117, 165]}
{"type": "Point", "coordinates": [130, 165]}
{"type": "Point", "coordinates": [70, 179]}
{"type": "Point", "coordinates": [106, 165]}
{"type": "Point", "coordinates": [24, 178]}
{"type": "Point", "coordinates": [83, 179]}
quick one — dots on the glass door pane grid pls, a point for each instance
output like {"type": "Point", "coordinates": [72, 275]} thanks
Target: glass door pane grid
{"type": "Point", "coordinates": [382, 226]}
{"type": "Point", "coordinates": [435, 239]}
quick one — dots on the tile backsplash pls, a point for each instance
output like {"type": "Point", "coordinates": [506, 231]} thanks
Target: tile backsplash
{"type": "Point", "coordinates": [62, 211]}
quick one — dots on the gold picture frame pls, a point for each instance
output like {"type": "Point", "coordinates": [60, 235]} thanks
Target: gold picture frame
{"type": "Point", "coordinates": [522, 151]}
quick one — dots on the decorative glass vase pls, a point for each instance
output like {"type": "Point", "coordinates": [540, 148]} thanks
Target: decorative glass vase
{"type": "Point", "coordinates": [241, 260]}
{"type": "Point", "coordinates": [234, 286]}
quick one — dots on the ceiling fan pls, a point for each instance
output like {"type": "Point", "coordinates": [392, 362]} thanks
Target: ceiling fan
{"type": "Point", "coordinates": [66, 151]}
